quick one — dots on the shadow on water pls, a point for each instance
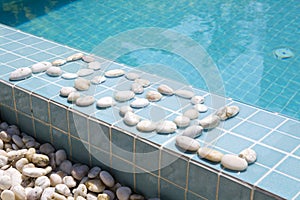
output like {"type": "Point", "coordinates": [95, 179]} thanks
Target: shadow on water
{"type": "Point", "coordinates": [16, 12]}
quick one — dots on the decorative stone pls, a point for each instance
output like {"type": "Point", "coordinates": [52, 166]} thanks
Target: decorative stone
{"type": "Point", "coordinates": [191, 113]}
{"type": "Point", "coordinates": [153, 96]}
{"type": "Point", "coordinates": [46, 148]}
{"type": "Point", "coordinates": [65, 91]}
{"type": "Point", "coordinates": [35, 193]}
{"type": "Point", "coordinates": [165, 90]}
{"type": "Point", "coordinates": [4, 126]}
{"type": "Point", "coordinates": [123, 193]}
{"type": "Point", "coordinates": [74, 57]}
{"type": "Point", "coordinates": [95, 65]}
{"type": "Point", "coordinates": [88, 58]}
{"type": "Point", "coordinates": [187, 143]}
{"type": "Point", "coordinates": [40, 160]}
{"type": "Point", "coordinates": [103, 197]}
{"type": "Point", "coordinates": [114, 73]}
{"type": "Point", "coordinates": [182, 121]}
{"type": "Point", "coordinates": [85, 72]}
{"type": "Point", "coordinates": [193, 131]}
{"type": "Point", "coordinates": [110, 194]}
{"type": "Point", "coordinates": [98, 80]}
{"type": "Point", "coordinates": [54, 71]}
{"type": "Point", "coordinates": [91, 196]}
{"type": "Point", "coordinates": [47, 193]}
{"type": "Point", "coordinates": [55, 179]}
{"type": "Point", "coordinates": [69, 76]}
{"type": "Point", "coordinates": [13, 154]}
{"type": "Point", "coordinates": [197, 99]}
{"type": "Point", "coordinates": [85, 101]}
{"type": "Point", "coordinates": [95, 185]}
{"type": "Point", "coordinates": [94, 172]}
{"type": "Point", "coordinates": [42, 181]}
{"type": "Point", "coordinates": [60, 156]}
{"type": "Point", "coordinates": [34, 172]}
{"type": "Point", "coordinates": [234, 162]}
{"type": "Point", "coordinates": [131, 119]}
{"type": "Point", "coordinates": [3, 160]}
{"type": "Point", "coordinates": [166, 127]}
{"type": "Point", "coordinates": [20, 163]}
{"type": "Point", "coordinates": [107, 179]}
{"type": "Point", "coordinates": [57, 196]}
{"type": "Point", "coordinates": [184, 94]}
{"type": "Point", "coordinates": [227, 112]}
{"type": "Point", "coordinates": [132, 76]}
{"type": "Point", "coordinates": [106, 102]}
{"type": "Point", "coordinates": [7, 195]}
{"type": "Point", "coordinates": [210, 122]}
{"type": "Point", "coordinates": [59, 62]}
{"type": "Point", "coordinates": [249, 155]}
{"type": "Point", "coordinates": [82, 84]}
{"type": "Point", "coordinates": [139, 103]}
{"type": "Point", "coordinates": [143, 82]}
{"type": "Point", "coordinates": [283, 53]}
{"type": "Point", "coordinates": [81, 190]}
{"type": "Point", "coordinates": [201, 108]}
{"type": "Point", "coordinates": [19, 192]}
{"type": "Point", "coordinates": [5, 137]}
{"type": "Point", "coordinates": [40, 67]}
{"type": "Point", "coordinates": [210, 154]}
{"type": "Point", "coordinates": [78, 172]}
{"type": "Point", "coordinates": [124, 109]}
{"type": "Point", "coordinates": [5, 182]}
{"type": "Point", "coordinates": [62, 189]}
{"type": "Point", "coordinates": [137, 88]}
{"type": "Point", "coordinates": [20, 74]}
{"type": "Point", "coordinates": [146, 126]}
{"type": "Point", "coordinates": [69, 181]}
{"type": "Point", "coordinates": [73, 96]}
{"type": "Point", "coordinates": [136, 197]}
{"type": "Point", "coordinates": [66, 166]}
{"type": "Point", "coordinates": [124, 95]}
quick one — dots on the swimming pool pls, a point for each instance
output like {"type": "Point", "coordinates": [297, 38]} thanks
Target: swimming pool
{"type": "Point", "coordinates": [240, 36]}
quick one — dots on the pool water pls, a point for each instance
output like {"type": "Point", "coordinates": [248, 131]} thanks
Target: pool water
{"type": "Point", "coordinates": [240, 37]}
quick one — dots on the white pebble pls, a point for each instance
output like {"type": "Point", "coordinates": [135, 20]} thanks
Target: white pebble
{"type": "Point", "coordinates": [184, 94]}
{"type": "Point", "coordinates": [146, 126]}
{"type": "Point", "coordinates": [35, 193]}
{"type": "Point", "coordinates": [74, 57]}
{"type": "Point", "coordinates": [165, 90]}
{"type": "Point", "coordinates": [40, 160]}
{"type": "Point", "coordinates": [65, 91]}
{"type": "Point", "coordinates": [193, 131]}
{"type": "Point", "coordinates": [7, 195]}
{"type": "Point", "coordinates": [69, 181]}
{"type": "Point", "coordinates": [210, 154]}
{"type": "Point", "coordinates": [85, 101]}
{"type": "Point", "coordinates": [3, 161]}
{"type": "Point", "coordinates": [201, 108]}
{"type": "Point", "coordinates": [62, 189]}
{"type": "Point", "coordinates": [34, 172]}
{"type": "Point", "coordinates": [69, 76]}
{"type": "Point", "coordinates": [5, 182]}
{"type": "Point", "coordinates": [139, 103]}
{"type": "Point", "coordinates": [234, 162]}
{"type": "Point", "coordinates": [249, 155]}
{"type": "Point", "coordinates": [124, 109]}
{"type": "Point", "coordinates": [88, 58]}
{"type": "Point", "coordinates": [210, 122]}
{"type": "Point", "coordinates": [55, 179]}
{"type": "Point", "coordinates": [131, 119]}
{"type": "Point", "coordinates": [227, 112]}
{"type": "Point", "coordinates": [143, 82]}
{"type": "Point", "coordinates": [187, 143]}
{"type": "Point", "coordinates": [114, 73]}
{"type": "Point", "coordinates": [137, 88]}
{"type": "Point", "coordinates": [54, 71]}
{"type": "Point", "coordinates": [106, 102]}
{"type": "Point", "coordinates": [132, 76]}
{"type": "Point", "coordinates": [85, 72]}
{"type": "Point", "coordinates": [19, 192]}
{"type": "Point", "coordinates": [98, 80]}
{"type": "Point", "coordinates": [191, 113]}
{"type": "Point", "coordinates": [124, 95]}
{"type": "Point", "coordinates": [197, 99]}
{"type": "Point", "coordinates": [82, 84]}
{"type": "Point", "coordinates": [40, 67]}
{"type": "Point", "coordinates": [123, 193]}
{"type": "Point", "coordinates": [73, 96]}
{"type": "Point", "coordinates": [59, 62]}
{"type": "Point", "coordinates": [166, 127]}
{"type": "Point", "coordinates": [20, 163]}
{"type": "Point", "coordinates": [95, 65]}
{"type": "Point", "coordinates": [20, 74]}
{"type": "Point", "coordinates": [182, 121]}
{"type": "Point", "coordinates": [42, 181]}
{"type": "Point", "coordinates": [153, 96]}
{"type": "Point", "coordinates": [95, 185]}
{"type": "Point", "coordinates": [47, 193]}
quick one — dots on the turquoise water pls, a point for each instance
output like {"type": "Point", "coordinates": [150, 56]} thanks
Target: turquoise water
{"type": "Point", "coordinates": [240, 37]}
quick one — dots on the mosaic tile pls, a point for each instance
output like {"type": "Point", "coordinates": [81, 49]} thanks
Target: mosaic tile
{"type": "Point", "coordinates": [174, 192]}
{"type": "Point", "coordinates": [251, 130]}
{"type": "Point", "coordinates": [290, 166]}
{"type": "Point", "coordinates": [80, 151]}
{"type": "Point", "coordinates": [22, 100]}
{"type": "Point", "coordinates": [267, 119]}
{"type": "Point", "coordinates": [122, 171]}
{"type": "Point", "coordinates": [290, 127]}
{"type": "Point", "coordinates": [6, 94]}
{"type": "Point", "coordinates": [8, 114]}
{"type": "Point", "coordinates": [60, 140]}
{"type": "Point", "coordinates": [26, 122]}
{"type": "Point", "coordinates": [58, 116]}
{"type": "Point", "coordinates": [268, 157]}
{"type": "Point", "coordinates": [143, 177]}
{"type": "Point", "coordinates": [99, 135]}
{"type": "Point", "coordinates": [78, 125]}
{"type": "Point", "coordinates": [42, 131]}
{"type": "Point", "coordinates": [100, 158]}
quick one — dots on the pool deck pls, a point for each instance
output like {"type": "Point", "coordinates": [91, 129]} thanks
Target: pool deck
{"type": "Point", "coordinates": [36, 106]}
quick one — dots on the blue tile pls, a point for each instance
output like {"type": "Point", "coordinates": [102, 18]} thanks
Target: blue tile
{"type": "Point", "coordinates": [30, 40]}
{"type": "Point", "coordinates": [266, 156]}
{"type": "Point", "coordinates": [297, 152]}
{"type": "Point", "coordinates": [80, 151]}
{"type": "Point", "coordinates": [123, 171]}
{"type": "Point", "coordinates": [108, 115]}
{"type": "Point", "coordinates": [22, 100]}
{"type": "Point", "coordinates": [192, 196]}
{"type": "Point", "coordinates": [267, 119]}
{"type": "Point", "coordinates": [154, 113]}
{"type": "Point", "coordinates": [270, 183]}
{"type": "Point", "coordinates": [230, 189]}
{"type": "Point", "coordinates": [58, 116]}
{"type": "Point", "coordinates": [263, 195]}
{"type": "Point", "coordinates": [25, 51]}
{"type": "Point", "coordinates": [60, 140]}
{"type": "Point", "coordinates": [229, 142]}
{"type": "Point", "coordinates": [78, 125]}
{"type": "Point", "coordinates": [40, 108]}
{"type": "Point", "coordinates": [281, 141]}
{"type": "Point", "coordinates": [21, 62]}
{"type": "Point", "coordinates": [25, 123]}
{"type": "Point", "coordinates": [6, 69]}
{"type": "Point", "coordinates": [12, 46]}
{"type": "Point", "coordinates": [145, 178]}
{"type": "Point", "coordinates": [6, 93]}
{"type": "Point", "coordinates": [122, 144]}
{"type": "Point", "coordinates": [32, 83]}
{"type": "Point", "coordinates": [42, 131]}
{"type": "Point", "coordinates": [41, 56]}
{"type": "Point", "coordinates": [147, 156]}
{"type": "Point", "coordinates": [100, 158]}
{"type": "Point", "coordinates": [48, 91]}
{"type": "Point", "coordinates": [291, 127]}
{"type": "Point", "coordinates": [230, 123]}
{"type": "Point", "coordinates": [39, 44]}
{"type": "Point", "coordinates": [174, 103]}
{"type": "Point", "coordinates": [173, 192]}
{"type": "Point", "coordinates": [290, 166]}
{"type": "Point", "coordinates": [8, 57]}
{"type": "Point", "coordinates": [202, 181]}
{"type": "Point", "coordinates": [173, 168]}
{"type": "Point", "coordinates": [251, 130]}
{"type": "Point", "coordinates": [99, 135]}
{"type": "Point", "coordinates": [7, 114]}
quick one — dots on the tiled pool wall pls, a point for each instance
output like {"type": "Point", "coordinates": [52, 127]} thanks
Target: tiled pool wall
{"type": "Point", "coordinates": [34, 105]}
